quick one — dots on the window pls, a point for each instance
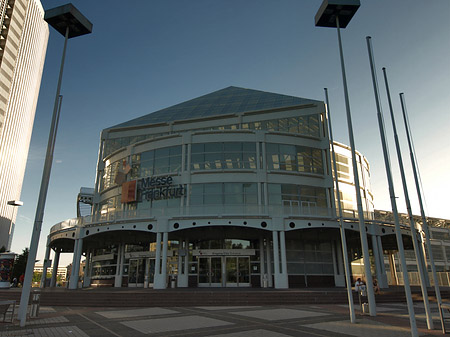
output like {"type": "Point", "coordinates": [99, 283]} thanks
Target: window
{"type": "Point", "coordinates": [223, 156]}
{"type": "Point", "coordinates": [294, 158]}
{"type": "Point", "coordinates": [154, 162]}
{"type": "Point", "coordinates": [224, 194]}
{"type": "Point", "coordinates": [305, 196]}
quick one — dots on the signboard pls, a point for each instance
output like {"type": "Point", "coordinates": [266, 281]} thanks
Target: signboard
{"type": "Point", "coordinates": [103, 257]}
{"type": "Point", "coordinates": [151, 188]}
{"type": "Point", "coordinates": [223, 252]}
{"type": "Point", "coordinates": [146, 254]}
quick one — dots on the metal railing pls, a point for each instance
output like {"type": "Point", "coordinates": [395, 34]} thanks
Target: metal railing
{"type": "Point", "coordinates": [216, 211]}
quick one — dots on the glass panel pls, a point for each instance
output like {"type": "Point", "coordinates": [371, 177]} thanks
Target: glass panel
{"type": "Point", "coordinates": [141, 271]}
{"type": "Point", "coordinates": [203, 270]}
{"type": "Point", "coordinates": [152, 271]}
{"type": "Point", "coordinates": [216, 270]}
{"type": "Point", "coordinates": [132, 273]}
{"type": "Point", "coordinates": [244, 270]}
{"type": "Point", "coordinates": [231, 266]}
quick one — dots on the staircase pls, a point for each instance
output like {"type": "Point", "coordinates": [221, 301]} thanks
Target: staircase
{"type": "Point", "coordinates": [124, 297]}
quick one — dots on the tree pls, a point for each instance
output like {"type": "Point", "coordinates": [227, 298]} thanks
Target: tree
{"type": "Point", "coordinates": [20, 263]}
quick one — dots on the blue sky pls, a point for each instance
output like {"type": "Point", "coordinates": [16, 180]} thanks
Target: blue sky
{"type": "Point", "coordinates": [147, 55]}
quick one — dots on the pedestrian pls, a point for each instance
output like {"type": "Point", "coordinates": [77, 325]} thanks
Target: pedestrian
{"type": "Point", "coordinates": [21, 278]}
{"type": "Point", "coordinates": [360, 286]}
{"type": "Point", "coordinates": [376, 287]}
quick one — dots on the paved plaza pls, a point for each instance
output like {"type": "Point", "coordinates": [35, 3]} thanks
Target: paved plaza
{"type": "Point", "coordinates": [221, 321]}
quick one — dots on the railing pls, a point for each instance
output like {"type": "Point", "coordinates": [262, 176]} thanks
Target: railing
{"type": "Point", "coordinates": [443, 278]}
{"type": "Point", "coordinates": [70, 223]}
{"type": "Point", "coordinates": [215, 211]}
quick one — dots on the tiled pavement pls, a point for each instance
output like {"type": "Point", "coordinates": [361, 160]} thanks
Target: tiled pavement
{"type": "Point", "coordinates": [231, 321]}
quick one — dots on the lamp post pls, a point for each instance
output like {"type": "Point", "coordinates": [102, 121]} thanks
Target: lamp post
{"type": "Point", "coordinates": [337, 14]}
{"type": "Point", "coordinates": [15, 203]}
{"type": "Point", "coordinates": [68, 21]}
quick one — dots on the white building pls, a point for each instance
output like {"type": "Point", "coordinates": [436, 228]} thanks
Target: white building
{"type": "Point", "coordinates": [230, 189]}
{"type": "Point", "coordinates": [23, 44]}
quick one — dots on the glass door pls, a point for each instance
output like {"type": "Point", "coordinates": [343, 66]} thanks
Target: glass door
{"type": "Point", "coordinates": [243, 271]}
{"type": "Point", "coordinates": [238, 271]}
{"type": "Point", "coordinates": [216, 271]}
{"type": "Point", "coordinates": [210, 272]}
{"type": "Point", "coordinates": [136, 273]}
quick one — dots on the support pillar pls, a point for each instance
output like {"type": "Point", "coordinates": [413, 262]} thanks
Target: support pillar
{"type": "Point", "coordinates": [45, 265]}
{"type": "Point", "coordinates": [383, 281]}
{"type": "Point", "coordinates": [284, 274]}
{"type": "Point", "coordinates": [55, 267]}
{"type": "Point", "coordinates": [160, 281]}
{"type": "Point", "coordinates": [280, 279]}
{"type": "Point", "coordinates": [339, 278]}
{"type": "Point", "coordinates": [87, 269]}
{"type": "Point", "coordinates": [263, 275]}
{"type": "Point", "coordinates": [119, 269]}
{"type": "Point", "coordinates": [376, 257]}
{"type": "Point", "coordinates": [269, 263]}
{"type": "Point", "coordinates": [74, 276]}
{"type": "Point", "coordinates": [183, 264]}
{"type": "Point", "coordinates": [164, 258]}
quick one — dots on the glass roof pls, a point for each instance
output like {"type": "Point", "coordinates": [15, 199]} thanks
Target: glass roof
{"type": "Point", "coordinates": [222, 102]}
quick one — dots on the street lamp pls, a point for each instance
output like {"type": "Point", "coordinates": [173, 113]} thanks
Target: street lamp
{"type": "Point", "coordinates": [68, 21]}
{"type": "Point", "coordinates": [337, 14]}
{"type": "Point", "coordinates": [15, 203]}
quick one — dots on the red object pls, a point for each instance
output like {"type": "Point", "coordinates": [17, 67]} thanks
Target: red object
{"type": "Point", "coordinates": [128, 191]}
{"type": "Point", "coordinates": [21, 278]}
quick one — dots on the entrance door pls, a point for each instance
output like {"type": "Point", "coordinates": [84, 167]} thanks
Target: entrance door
{"type": "Point", "coordinates": [210, 272]}
{"type": "Point", "coordinates": [136, 273]}
{"type": "Point", "coordinates": [237, 271]}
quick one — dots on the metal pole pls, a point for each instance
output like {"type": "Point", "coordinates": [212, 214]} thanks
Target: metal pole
{"type": "Point", "coordinates": [22, 315]}
{"type": "Point", "coordinates": [398, 233]}
{"type": "Point", "coordinates": [419, 195]}
{"type": "Point", "coordinates": [410, 214]}
{"type": "Point", "coordinates": [362, 225]}
{"type": "Point", "coordinates": [341, 222]}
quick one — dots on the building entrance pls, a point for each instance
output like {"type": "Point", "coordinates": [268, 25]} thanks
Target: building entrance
{"type": "Point", "coordinates": [237, 271]}
{"type": "Point", "coordinates": [224, 271]}
{"type": "Point", "coordinates": [137, 270]}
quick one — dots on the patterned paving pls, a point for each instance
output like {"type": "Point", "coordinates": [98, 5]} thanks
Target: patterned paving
{"type": "Point", "coordinates": [50, 320]}
{"type": "Point", "coordinates": [364, 327]}
{"type": "Point", "coordinates": [279, 314]}
{"type": "Point", "coordinates": [253, 333]}
{"type": "Point", "coordinates": [159, 325]}
{"type": "Point", "coordinates": [71, 331]}
{"type": "Point", "coordinates": [227, 308]}
{"type": "Point", "coordinates": [127, 313]}
{"type": "Point", "coordinates": [216, 321]}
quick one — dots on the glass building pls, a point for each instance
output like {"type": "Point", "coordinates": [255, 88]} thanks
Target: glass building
{"type": "Point", "coordinates": [230, 189]}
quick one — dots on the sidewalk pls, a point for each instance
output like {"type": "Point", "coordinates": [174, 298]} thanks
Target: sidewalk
{"type": "Point", "coordinates": [223, 321]}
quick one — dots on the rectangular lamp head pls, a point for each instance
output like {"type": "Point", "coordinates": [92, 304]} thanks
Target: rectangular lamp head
{"type": "Point", "coordinates": [15, 203]}
{"type": "Point", "coordinates": [330, 9]}
{"type": "Point", "coordinates": [68, 16]}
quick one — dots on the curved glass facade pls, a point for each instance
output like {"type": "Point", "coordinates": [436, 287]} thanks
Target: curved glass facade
{"type": "Point", "coordinates": [239, 199]}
